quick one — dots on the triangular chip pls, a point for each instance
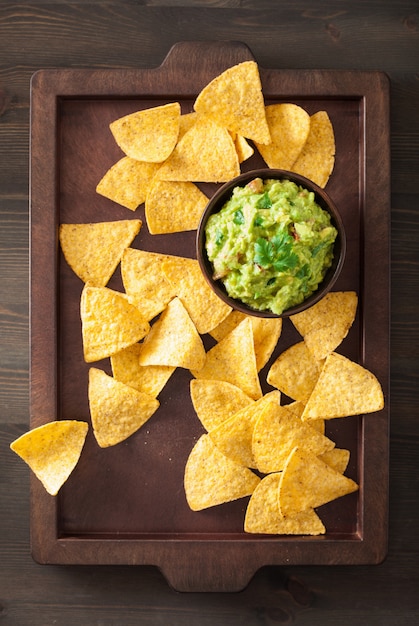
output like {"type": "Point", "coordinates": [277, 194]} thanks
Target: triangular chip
{"type": "Point", "coordinates": [325, 324]}
{"type": "Point", "coordinates": [295, 372]}
{"type": "Point", "coordinates": [243, 148]}
{"type": "Point", "coordinates": [277, 432]}
{"type": "Point", "coordinates": [173, 340]}
{"type": "Point", "coordinates": [337, 458]}
{"type": "Point", "coordinates": [215, 401]}
{"type": "Point", "coordinates": [205, 153]}
{"type": "Point", "coordinates": [263, 516]}
{"type": "Point", "coordinates": [307, 482]}
{"type": "Point", "coordinates": [127, 182]}
{"type": "Point", "coordinates": [234, 99]}
{"type": "Point", "coordinates": [150, 134]}
{"type": "Point", "coordinates": [117, 410]}
{"type": "Point", "coordinates": [146, 378]}
{"type": "Point", "coordinates": [212, 479]}
{"type": "Point", "coordinates": [52, 451]}
{"type": "Point", "coordinates": [93, 251]}
{"type": "Point", "coordinates": [344, 388]}
{"type": "Point", "coordinates": [317, 158]}
{"type": "Point", "coordinates": [206, 309]}
{"type": "Point", "coordinates": [144, 282]}
{"type": "Point", "coordinates": [174, 206]}
{"type": "Point", "coordinates": [289, 125]}
{"type": "Point", "coordinates": [233, 360]}
{"type": "Point", "coordinates": [109, 323]}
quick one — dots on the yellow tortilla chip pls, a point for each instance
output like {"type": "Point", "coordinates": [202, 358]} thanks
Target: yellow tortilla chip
{"type": "Point", "coordinates": [325, 325]}
{"type": "Point", "coordinates": [307, 482]}
{"type": "Point", "coordinates": [148, 378]}
{"type": "Point", "coordinates": [234, 99]}
{"type": "Point", "coordinates": [109, 323]}
{"type": "Point", "coordinates": [117, 410]}
{"type": "Point", "coordinates": [243, 148]}
{"type": "Point", "coordinates": [233, 360]}
{"type": "Point", "coordinates": [289, 125]}
{"type": "Point", "coordinates": [93, 251]}
{"type": "Point", "coordinates": [263, 516]}
{"type": "Point", "coordinates": [173, 340]}
{"type": "Point", "coordinates": [206, 309]}
{"type": "Point", "coordinates": [174, 206]}
{"type": "Point", "coordinates": [277, 432]}
{"type": "Point", "coordinates": [317, 158]}
{"type": "Point", "coordinates": [52, 451]}
{"type": "Point", "coordinates": [215, 401]}
{"type": "Point", "coordinates": [344, 388]}
{"type": "Point", "coordinates": [150, 134]}
{"type": "Point", "coordinates": [295, 372]}
{"type": "Point", "coordinates": [337, 458]}
{"type": "Point", "coordinates": [212, 479]}
{"type": "Point", "coordinates": [127, 182]}
{"type": "Point", "coordinates": [187, 120]}
{"type": "Point", "coordinates": [206, 153]}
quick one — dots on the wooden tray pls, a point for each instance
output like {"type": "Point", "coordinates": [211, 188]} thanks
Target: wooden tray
{"type": "Point", "coordinates": [126, 504]}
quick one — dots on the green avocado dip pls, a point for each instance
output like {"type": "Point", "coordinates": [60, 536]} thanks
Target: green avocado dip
{"type": "Point", "coordinates": [270, 244]}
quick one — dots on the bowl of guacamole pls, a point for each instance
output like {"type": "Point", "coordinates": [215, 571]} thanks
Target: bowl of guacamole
{"type": "Point", "coordinates": [271, 243]}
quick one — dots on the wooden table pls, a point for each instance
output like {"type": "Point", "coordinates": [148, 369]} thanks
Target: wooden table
{"type": "Point", "coordinates": [292, 35]}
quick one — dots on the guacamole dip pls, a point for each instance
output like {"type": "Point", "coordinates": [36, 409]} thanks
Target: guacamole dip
{"type": "Point", "coordinates": [270, 244]}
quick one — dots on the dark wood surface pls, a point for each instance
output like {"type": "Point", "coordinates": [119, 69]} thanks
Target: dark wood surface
{"type": "Point", "coordinates": [372, 35]}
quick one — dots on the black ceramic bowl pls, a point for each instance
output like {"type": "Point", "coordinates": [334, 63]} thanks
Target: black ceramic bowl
{"type": "Point", "coordinates": [323, 200]}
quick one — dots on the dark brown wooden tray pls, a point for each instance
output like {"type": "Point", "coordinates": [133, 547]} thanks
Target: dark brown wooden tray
{"type": "Point", "coordinates": [126, 505]}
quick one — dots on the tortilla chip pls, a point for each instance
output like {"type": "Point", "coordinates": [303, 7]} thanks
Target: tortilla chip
{"type": "Point", "coordinates": [337, 458]}
{"type": "Point", "coordinates": [277, 432]}
{"type": "Point", "coordinates": [289, 125]}
{"type": "Point", "coordinates": [295, 372]}
{"type": "Point", "coordinates": [344, 388]}
{"type": "Point", "coordinates": [263, 516]}
{"type": "Point", "coordinates": [243, 148]}
{"type": "Point", "coordinates": [150, 134]}
{"type": "Point", "coordinates": [317, 158]}
{"type": "Point", "coordinates": [307, 482]}
{"type": "Point", "coordinates": [234, 436]}
{"type": "Point", "coordinates": [117, 410]}
{"type": "Point", "coordinates": [325, 325]}
{"type": "Point", "coordinates": [206, 309]}
{"type": "Point", "coordinates": [109, 323]}
{"type": "Point", "coordinates": [52, 451]}
{"type": "Point", "coordinates": [144, 282]}
{"type": "Point", "coordinates": [127, 182]}
{"type": "Point", "coordinates": [173, 340]}
{"type": "Point", "coordinates": [206, 153]}
{"type": "Point", "coordinates": [93, 251]}
{"type": "Point", "coordinates": [149, 379]}
{"type": "Point", "coordinates": [212, 479]}
{"type": "Point", "coordinates": [187, 120]}
{"type": "Point", "coordinates": [233, 360]}
{"type": "Point", "coordinates": [215, 401]}
{"type": "Point", "coordinates": [234, 99]}
{"type": "Point", "coordinates": [173, 206]}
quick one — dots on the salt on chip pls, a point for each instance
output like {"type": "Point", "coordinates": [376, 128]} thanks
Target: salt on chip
{"type": "Point", "coordinates": [215, 401]}
{"type": "Point", "coordinates": [173, 340]}
{"type": "Point", "coordinates": [234, 99]}
{"type": "Point", "coordinates": [94, 250]}
{"type": "Point", "coordinates": [109, 323]}
{"type": "Point", "coordinates": [117, 410]}
{"type": "Point", "coordinates": [289, 126]}
{"type": "Point", "coordinates": [52, 451]}
{"type": "Point", "coordinates": [317, 158]}
{"type": "Point", "coordinates": [308, 482]}
{"type": "Point", "coordinates": [211, 478]}
{"type": "Point", "coordinates": [344, 388]}
{"type": "Point", "coordinates": [263, 516]}
{"type": "Point", "coordinates": [146, 378]}
{"type": "Point", "coordinates": [150, 134]}
{"type": "Point", "coordinates": [295, 372]}
{"type": "Point", "coordinates": [277, 432]}
{"type": "Point", "coordinates": [325, 324]}
{"type": "Point", "coordinates": [174, 206]}
{"type": "Point", "coordinates": [127, 182]}
{"type": "Point", "coordinates": [206, 309]}
{"type": "Point", "coordinates": [338, 458]}
{"type": "Point", "coordinates": [233, 360]}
